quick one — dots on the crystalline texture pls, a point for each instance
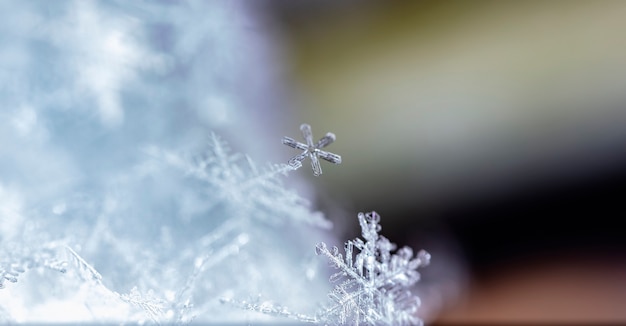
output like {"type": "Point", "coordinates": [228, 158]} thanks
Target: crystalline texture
{"type": "Point", "coordinates": [373, 288]}
{"type": "Point", "coordinates": [313, 151]}
{"type": "Point", "coordinates": [18, 258]}
{"type": "Point", "coordinates": [246, 209]}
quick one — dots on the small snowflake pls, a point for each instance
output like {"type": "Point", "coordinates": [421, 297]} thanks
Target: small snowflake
{"type": "Point", "coordinates": [313, 151]}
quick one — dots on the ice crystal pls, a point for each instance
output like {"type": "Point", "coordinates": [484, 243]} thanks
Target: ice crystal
{"type": "Point", "coordinates": [234, 180]}
{"type": "Point", "coordinates": [18, 259]}
{"type": "Point", "coordinates": [87, 271]}
{"type": "Point", "coordinates": [313, 151]}
{"type": "Point", "coordinates": [269, 308]}
{"type": "Point", "coordinates": [373, 287]}
{"type": "Point", "coordinates": [212, 230]}
{"type": "Point", "coordinates": [247, 215]}
{"type": "Point", "coordinates": [10, 272]}
{"type": "Point", "coordinates": [80, 277]}
{"type": "Point", "coordinates": [72, 169]}
{"type": "Point", "coordinates": [152, 305]}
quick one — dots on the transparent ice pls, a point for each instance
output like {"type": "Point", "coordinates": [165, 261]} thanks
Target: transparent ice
{"type": "Point", "coordinates": [108, 213]}
{"type": "Point", "coordinates": [104, 107]}
{"type": "Point", "coordinates": [220, 227]}
{"type": "Point", "coordinates": [311, 150]}
{"type": "Point", "coordinates": [373, 286]}
{"type": "Point", "coordinates": [372, 283]}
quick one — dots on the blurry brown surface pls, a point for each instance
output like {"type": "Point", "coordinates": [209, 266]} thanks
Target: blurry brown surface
{"type": "Point", "coordinates": [548, 290]}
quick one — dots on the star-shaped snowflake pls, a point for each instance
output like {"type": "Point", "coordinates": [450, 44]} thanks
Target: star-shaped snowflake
{"type": "Point", "coordinates": [313, 151]}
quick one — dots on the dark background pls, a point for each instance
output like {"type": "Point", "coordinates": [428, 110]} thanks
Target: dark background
{"type": "Point", "coordinates": [489, 133]}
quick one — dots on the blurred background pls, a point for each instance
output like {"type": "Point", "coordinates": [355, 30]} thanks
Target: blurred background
{"type": "Point", "coordinates": [489, 133]}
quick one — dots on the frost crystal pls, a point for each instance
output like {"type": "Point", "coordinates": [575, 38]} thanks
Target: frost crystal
{"type": "Point", "coordinates": [235, 182]}
{"type": "Point", "coordinates": [163, 244]}
{"type": "Point", "coordinates": [372, 288]}
{"type": "Point", "coordinates": [20, 259]}
{"type": "Point", "coordinates": [313, 151]}
{"type": "Point", "coordinates": [152, 305]}
{"type": "Point", "coordinates": [242, 215]}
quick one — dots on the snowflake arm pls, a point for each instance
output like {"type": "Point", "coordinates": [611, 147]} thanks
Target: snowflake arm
{"type": "Point", "coordinates": [86, 271]}
{"type": "Point", "coordinates": [268, 308]}
{"type": "Point", "coordinates": [149, 303]}
{"type": "Point", "coordinates": [10, 273]}
{"type": "Point", "coordinates": [313, 151]}
{"type": "Point", "coordinates": [21, 258]}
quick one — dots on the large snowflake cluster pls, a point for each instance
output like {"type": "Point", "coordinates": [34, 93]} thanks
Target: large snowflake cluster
{"type": "Point", "coordinates": [212, 230]}
{"type": "Point", "coordinates": [93, 229]}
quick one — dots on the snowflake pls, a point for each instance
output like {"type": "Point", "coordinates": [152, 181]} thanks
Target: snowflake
{"type": "Point", "coordinates": [313, 151]}
{"type": "Point", "coordinates": [374, 287]}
